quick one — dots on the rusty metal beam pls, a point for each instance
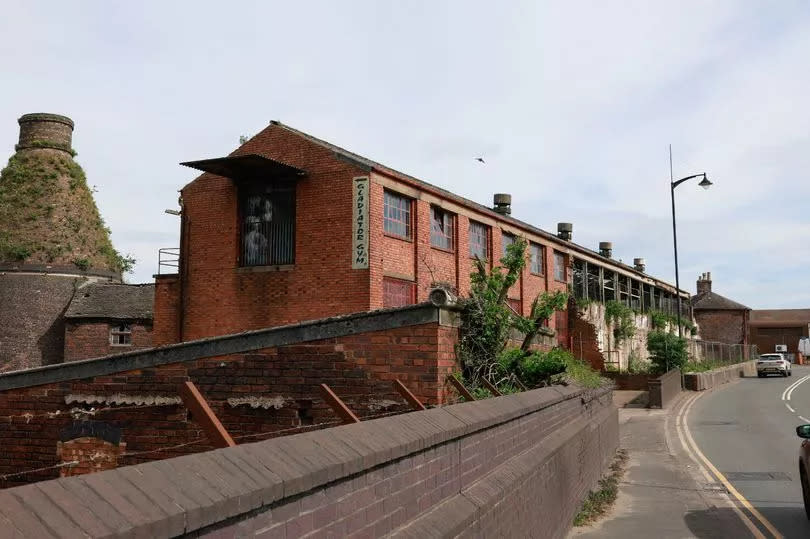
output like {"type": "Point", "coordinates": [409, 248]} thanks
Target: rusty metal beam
{"type": "Point", "coordinates": [490, 387]}
{"type": "Point", "coordinates": [202, 414]}
{"type": "Point", "coordinates": [461, 389]}
{"type": "Point", "coordinates": [338, 406]}
{"type": "Point", "coordinates": [408, 396]}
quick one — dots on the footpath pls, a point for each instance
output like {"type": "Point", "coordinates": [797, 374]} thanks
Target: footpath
{"type": "Point", "coordinates": [663, 493]}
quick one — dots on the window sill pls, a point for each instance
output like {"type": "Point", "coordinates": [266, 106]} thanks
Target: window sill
{"type": "Point", "coordinates": [263, 269]}
{"type": "Point", "coordinates": [537, 274]}
{"type": "Point", "coordinates": [556, 280]}
{"type": "Point", "coordinates": [442, 249]}
{"type": "Point", "coordinates": [121, 345]}
{"type": "Point", "coordinates": [394, 236]}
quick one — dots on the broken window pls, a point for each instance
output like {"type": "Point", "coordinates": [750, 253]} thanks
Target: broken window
{"type": "Point", "coordinates": [121, 335]}
{"type": "Point", "coordinates": [648, 299]}
{"type": "Point", "coordinates": [578, 286]}
{"type": "Point", "coordinates": [624, 291]}
{"type": "Point", "coordinates": [594, 288]}
{"type": "Point", "coordinates": [398, 292]}
{"type": "Point", "coordinates": [635, 295]}
{"type": "Point", "coordinates": [397, 215]}
{"type": "Point", "coordinates": [537, 254]}
{"type": "Point", "coordinates": [559, 266]}
{"type": "Point", "coordinates": [609, 286]}
{"type": "Point", "coordinates": [507, 239]}
{"type": "Point", "coordinates": [268, 224]}
{"type": "Point", "coordinates": [442, 224]}
{"type": "Point", "coordinates": [479, 233]}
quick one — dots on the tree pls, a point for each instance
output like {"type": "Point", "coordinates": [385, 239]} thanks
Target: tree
{"type": "Point", "coordinates": [667, 351]}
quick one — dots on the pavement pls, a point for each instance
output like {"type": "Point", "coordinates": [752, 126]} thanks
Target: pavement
{"type": "Point", "coordinates": [664, 493]}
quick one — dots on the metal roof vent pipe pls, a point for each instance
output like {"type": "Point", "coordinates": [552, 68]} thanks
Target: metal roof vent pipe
{"type": "Point", "coordinates": [606, 249]}
{"type": "Point", "coordinates": [565, 231]}
{"type": "Point", "coordinates": [639, 264]}
{"type": "Point", "coordinates": [503, 203]}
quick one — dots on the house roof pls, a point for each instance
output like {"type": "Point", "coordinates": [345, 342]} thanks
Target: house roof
{"type": "Point", "coordinates": [113, 301]}
{"type": "Point", "coordinates": [712, 301]}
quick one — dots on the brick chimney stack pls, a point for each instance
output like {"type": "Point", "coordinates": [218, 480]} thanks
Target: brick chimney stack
{"type": "Point", "coordinates": [704, 283]}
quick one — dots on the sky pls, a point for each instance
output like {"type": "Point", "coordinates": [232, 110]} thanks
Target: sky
{"type": "Point", "coordinates": [572, 104]}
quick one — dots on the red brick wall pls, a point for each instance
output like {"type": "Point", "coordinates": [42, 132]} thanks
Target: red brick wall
{"type": "Point", "coordinates": [85, 339]}
{"type": "Point", "coordinates": [89, 454]}
{"type": "Point", "coordinates": [278, 388]}
{"type": "Point", "coordinates": [221, 298]}
{"type": "Point", "coordinates": [722, 326]}
{"type": "Point", "coordinates": [166, 310]}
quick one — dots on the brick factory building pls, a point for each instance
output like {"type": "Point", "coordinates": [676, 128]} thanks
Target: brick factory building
{"type": "Point", "coordinates": [290, 228]}
{"type": "Point", "coordinates": [770, 328]}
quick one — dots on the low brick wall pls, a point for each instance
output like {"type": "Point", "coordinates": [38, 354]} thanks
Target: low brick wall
{"type": "Point", "coordinates": [513, 466]}
{"type": "Point", "coordinates": [700, 381]}
{"type": "Point", "coordinates": [625, 381]}
{"type": "Point", "coordinates": [664, 389]}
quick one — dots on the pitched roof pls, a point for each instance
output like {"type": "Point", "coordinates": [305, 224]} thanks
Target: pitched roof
{"type": "Point", "coordinates": [115, 301]}
{"type": "Point", "coordinates": [712, 301]}
{"type": "Point", "coordinates": [374, 165]}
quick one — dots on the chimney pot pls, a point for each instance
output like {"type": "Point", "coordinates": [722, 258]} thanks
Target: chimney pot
{"type": "Point", "coordinates": [565, 230]}
{"type": "Point", "coordinates": [503, 203]}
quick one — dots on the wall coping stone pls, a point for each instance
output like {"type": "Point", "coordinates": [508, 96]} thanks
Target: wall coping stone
{"type": "Point", "coordinates": [314, 330]}
{"type": "Point", "coordinates": [189, 493]}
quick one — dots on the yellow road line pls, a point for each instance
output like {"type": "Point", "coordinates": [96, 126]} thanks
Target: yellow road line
{"type": "Point", "coordinates": [726, 483]}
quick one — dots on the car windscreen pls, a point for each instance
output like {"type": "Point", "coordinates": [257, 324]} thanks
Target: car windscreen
{"type": "Point", "coordinates": [769, 358]}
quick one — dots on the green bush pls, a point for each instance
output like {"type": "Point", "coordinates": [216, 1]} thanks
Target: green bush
{"type": "Point", "coordinates": [538, 367]}
{"type": "Point", "coordinates": [635, 365]}
{"type": "Point", "coordinates": [667, 351]}
{"type": "Point", "coordinates": [622, 318]}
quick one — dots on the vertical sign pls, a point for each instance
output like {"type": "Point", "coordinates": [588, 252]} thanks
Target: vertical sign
{"type": "Point", "coordinates": [360, 223]}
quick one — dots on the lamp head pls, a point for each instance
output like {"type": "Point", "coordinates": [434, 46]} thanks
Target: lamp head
{"type": "Point", "coordinates": [705, 183]}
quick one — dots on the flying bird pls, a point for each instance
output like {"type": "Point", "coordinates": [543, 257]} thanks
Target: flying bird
{"type": "Point", "coordinates": [481, 159]}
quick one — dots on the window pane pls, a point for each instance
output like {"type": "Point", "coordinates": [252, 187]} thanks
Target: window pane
{"type": "Point", "coordinates": [397, 215]}
{"type": "Point", "coordinates": [441, 228]}
{"type": "Point", "coordinates": [268, 225]}
{"type": "Point", "coordinates": [579, 279]}
{"type": "Point", "coordinates": [537, 255]}
{"type": "Point", "coordinates": [559, 266]}
{"type": "Point", "coordinates": [507, 239]}
{"type": "Point", "coordinates": [478, 240]}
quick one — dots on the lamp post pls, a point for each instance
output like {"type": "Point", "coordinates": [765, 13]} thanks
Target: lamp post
{"type": "Point", "coordinates": [704, 183]}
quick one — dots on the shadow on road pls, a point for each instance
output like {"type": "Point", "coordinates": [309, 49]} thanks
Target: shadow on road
{"type": "Point", "coordinates": [790, 521]}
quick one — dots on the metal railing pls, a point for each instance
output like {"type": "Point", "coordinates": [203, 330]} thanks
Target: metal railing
{"type": "Point", "coordinates": [719, 352]}
{"type": "Point", "coordinates": [168, 257]}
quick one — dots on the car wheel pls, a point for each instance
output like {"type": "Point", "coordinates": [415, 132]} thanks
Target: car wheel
{"type": "Point", "coordinates": [805, 492]}
{"type": "Point", "coordinates": [785, 374]}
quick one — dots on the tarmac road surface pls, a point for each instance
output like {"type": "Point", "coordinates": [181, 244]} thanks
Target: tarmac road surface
{"type": "Point", "coordinates": [746, 430]}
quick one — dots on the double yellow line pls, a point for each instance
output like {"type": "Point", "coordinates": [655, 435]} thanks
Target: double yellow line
{"type": "Point", "coordinates": [707, 468]}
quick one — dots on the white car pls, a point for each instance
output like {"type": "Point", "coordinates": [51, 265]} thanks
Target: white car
{"type": "Point", "coordinates": [773, 364]}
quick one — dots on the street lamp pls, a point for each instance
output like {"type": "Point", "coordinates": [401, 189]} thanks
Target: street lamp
{"type": "Point", "coordinates": [704, 183]}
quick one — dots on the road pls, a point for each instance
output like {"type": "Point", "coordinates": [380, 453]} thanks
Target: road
{"type": "Point", "coordinates": [747, 432]}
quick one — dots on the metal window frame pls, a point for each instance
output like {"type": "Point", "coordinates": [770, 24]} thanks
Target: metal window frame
{"type": "Point", "coordinates": [408, 208]}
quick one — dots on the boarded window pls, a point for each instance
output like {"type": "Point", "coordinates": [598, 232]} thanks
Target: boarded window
{"type": "Point", "coordinates": [537, 254]}
{"type": "Point", "coordinates": [268, 224]}
{"type": "Point", "coordinates": [442, 224]}
{"type": "Point", "coordinates": [397, 215]}
{"type": "Point", "coordinates": [478, 240]}
{"type": "Point", "coordinates": [559, 266]}
{"type": "Point", "coordinates": [121, 335]}
{"type": "Point", "coordinates": [398, 292]}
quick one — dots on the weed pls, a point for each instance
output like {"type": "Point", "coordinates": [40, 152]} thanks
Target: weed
{"type": "Point", "coordinates": [599, 501]}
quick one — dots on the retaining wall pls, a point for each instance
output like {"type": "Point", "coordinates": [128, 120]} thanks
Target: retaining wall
{"type": "Point", "coordinates": [664, 389]}
{"type": "Point", "coordinates": [700, 381]}
{"type": "Point", "coordinates": [513, 466]}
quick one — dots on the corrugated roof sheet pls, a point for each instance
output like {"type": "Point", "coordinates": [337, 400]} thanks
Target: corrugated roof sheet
{"type": "Point", "coordinates": [114, 301]}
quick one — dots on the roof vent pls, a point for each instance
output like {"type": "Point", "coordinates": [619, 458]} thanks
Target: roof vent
{"type": "Point", "coordinates": [503, 203]}
{"type": "Point", "coordinates": [606, 249]}
{"type": "Point", "coordinates": [565, 231]}
{"type": "Point", "coordinates": [639, 264]}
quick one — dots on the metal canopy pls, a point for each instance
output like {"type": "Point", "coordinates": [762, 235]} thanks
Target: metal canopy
{"type": "Point", "coordinates": [246, 167]}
